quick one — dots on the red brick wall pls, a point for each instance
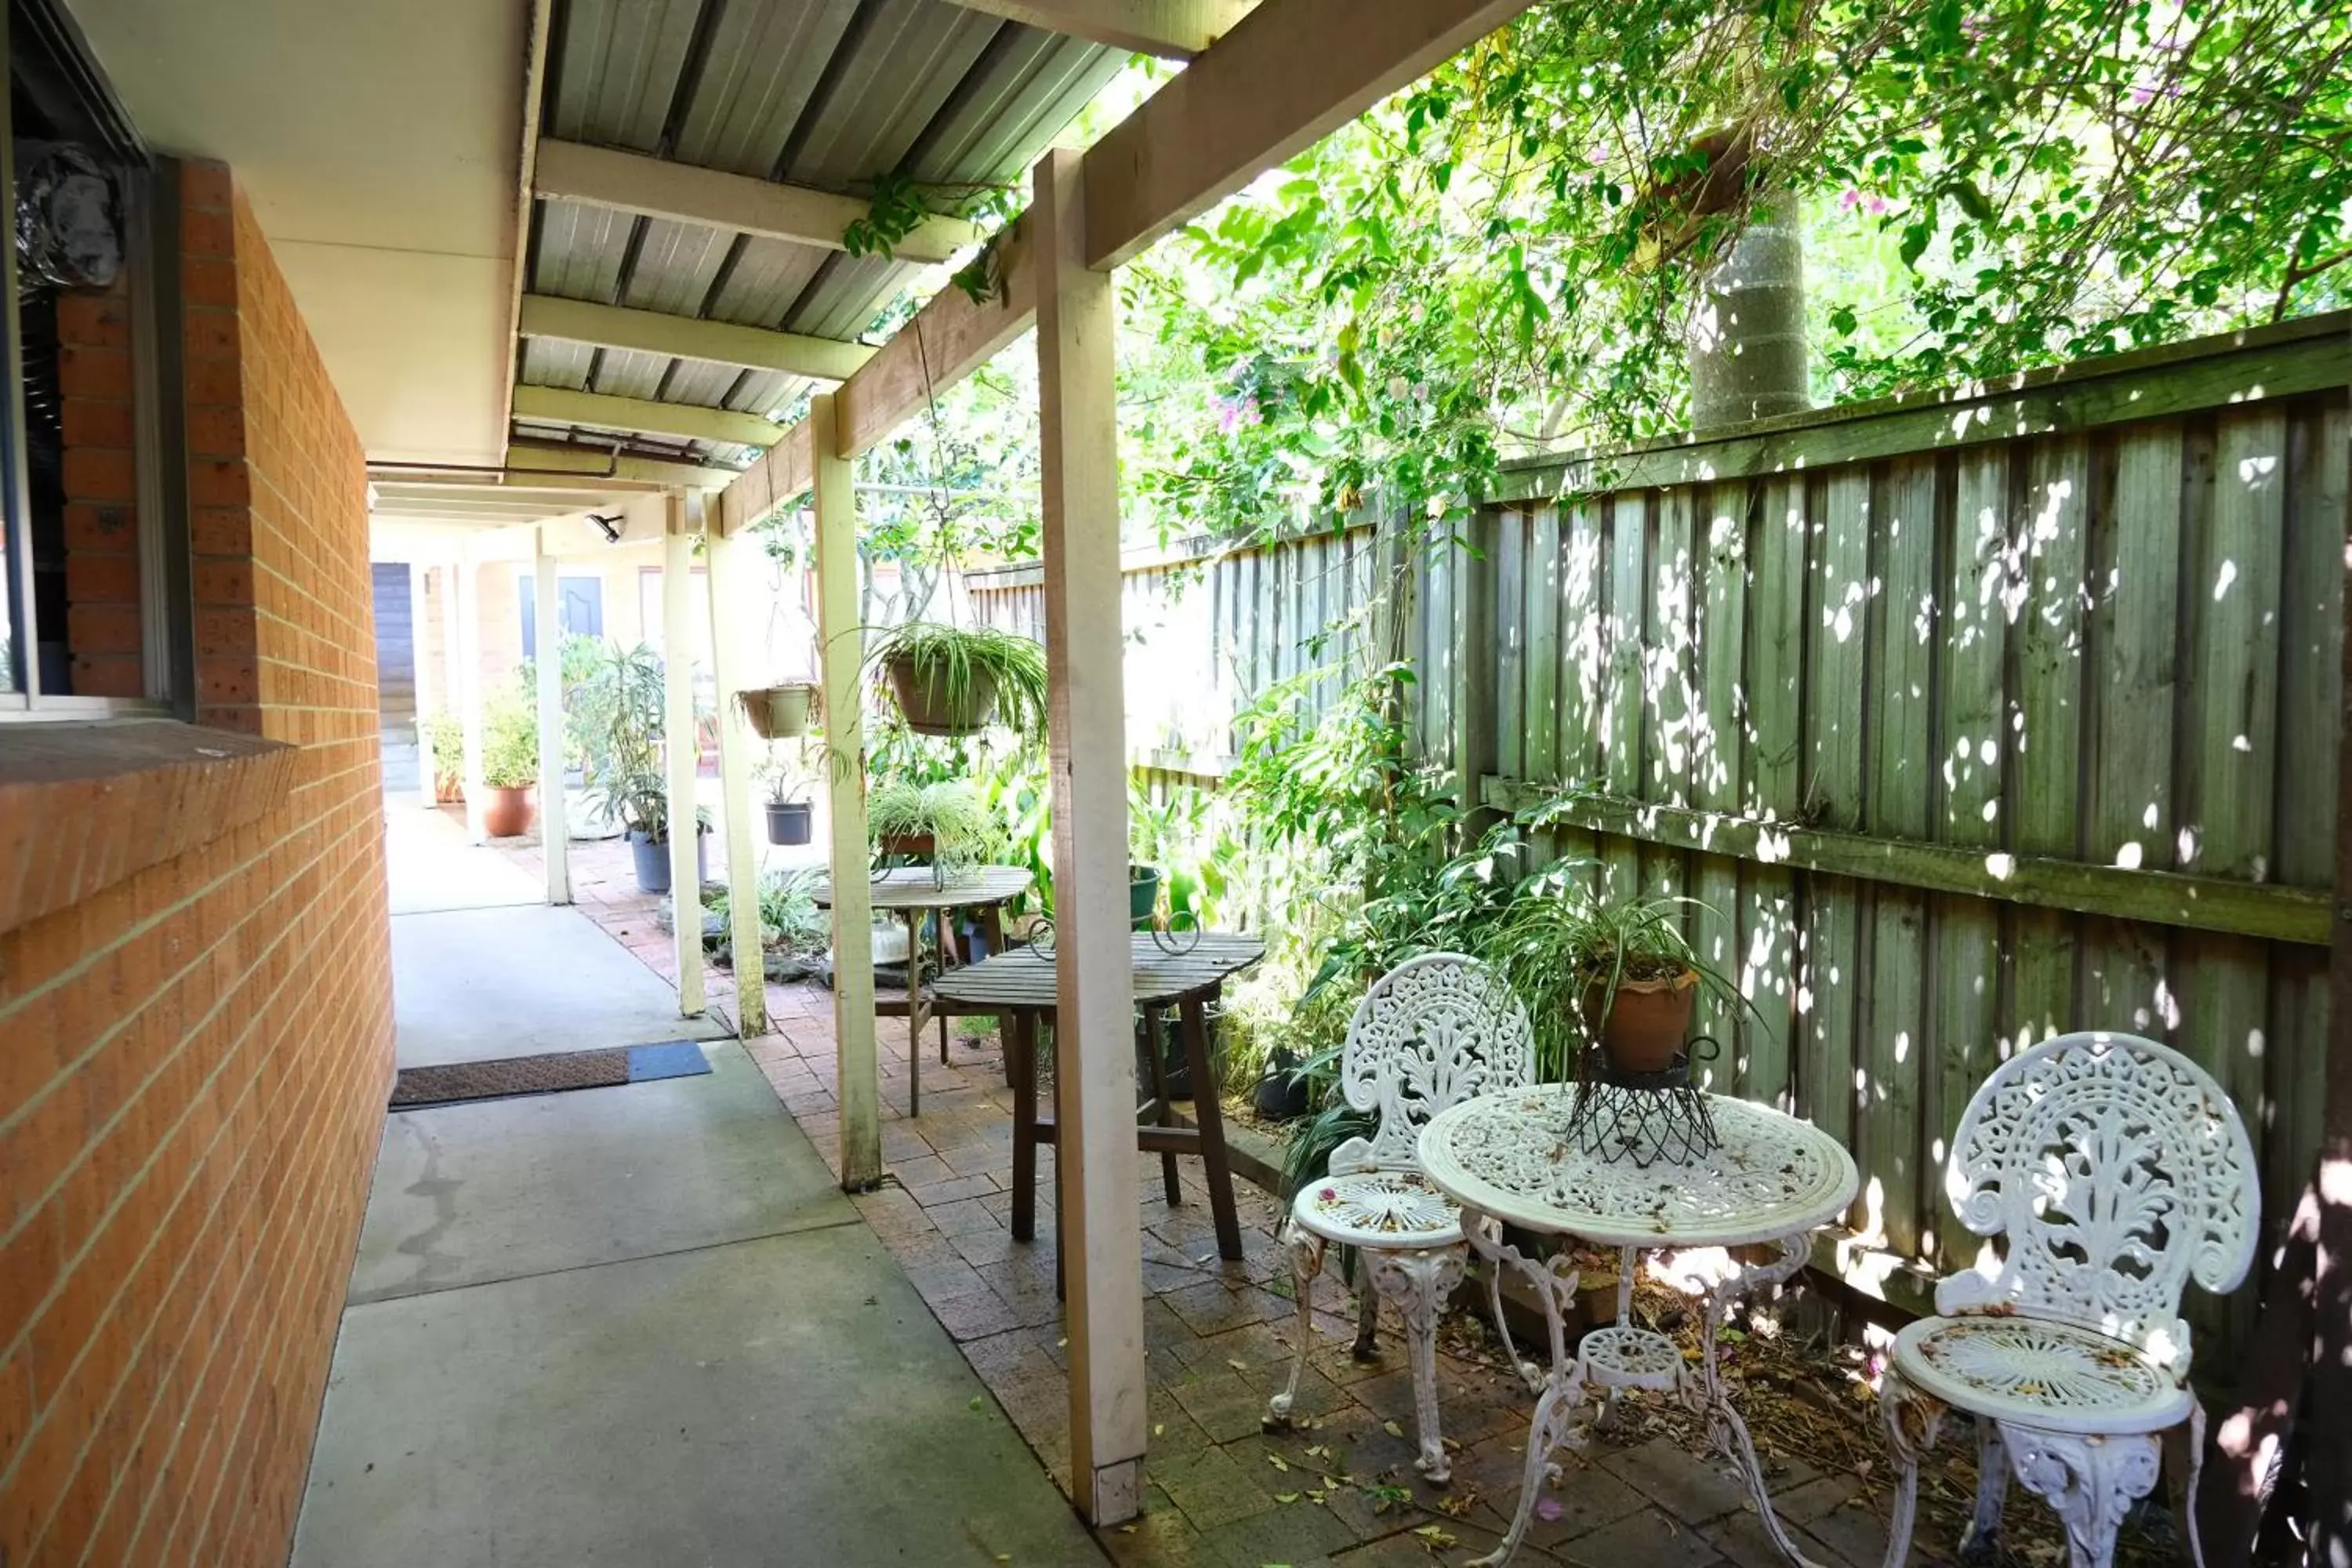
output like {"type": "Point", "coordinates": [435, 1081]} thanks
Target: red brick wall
{"type": "Point", "coordinates": [194, 1063]}
{"type": "Point", "coordinates": [101, 533]}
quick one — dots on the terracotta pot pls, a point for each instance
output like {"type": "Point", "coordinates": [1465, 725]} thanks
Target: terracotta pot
{"type": "Point", "coordinates": [907, 846]}
{"type": "Point", "coordinates": [508, 811]}
{"type": "Point", "coordinates": [923, 699]}
{"type": "Point", "coordinates": [777, 712]}
{"type": "Point", "coordinates": [448, 789]}
{"type": "Point", "coordinates": [1644, 1031]}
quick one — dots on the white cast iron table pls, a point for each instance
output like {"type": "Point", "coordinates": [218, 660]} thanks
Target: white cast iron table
{"type": "Point", "coordinates": [1509, 1158]}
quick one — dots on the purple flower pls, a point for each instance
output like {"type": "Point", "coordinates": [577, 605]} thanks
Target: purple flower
{"type": "Point", "coordinates": [1850, 199]}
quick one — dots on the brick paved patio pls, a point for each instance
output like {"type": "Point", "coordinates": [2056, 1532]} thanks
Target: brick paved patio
{"type": "Point", "coordinates": [1340, 1489]}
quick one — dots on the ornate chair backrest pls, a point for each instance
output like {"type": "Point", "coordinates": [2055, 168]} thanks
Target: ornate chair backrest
{"type": "Point", "coordinates": [2117, 1170]}
{"type": "Point", "coordinates": [1431, 1032]}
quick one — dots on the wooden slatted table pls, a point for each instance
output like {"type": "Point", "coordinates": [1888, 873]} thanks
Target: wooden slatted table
{"type": "Point", "coordinates": [1024, 985]}
{"type": "Point", "coordinates": [913, 892]}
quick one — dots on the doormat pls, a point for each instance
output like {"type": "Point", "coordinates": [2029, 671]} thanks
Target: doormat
{"type": "Point", "coordinates": [418, 1087]}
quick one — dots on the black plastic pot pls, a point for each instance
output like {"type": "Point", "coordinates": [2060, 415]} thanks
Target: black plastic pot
{"type": "Point", "coordinates": [652, 856]}
{"type": "Point", "coordinates": [1281, 1092]}
{"type": "Point", "coordinates": [789, 822]}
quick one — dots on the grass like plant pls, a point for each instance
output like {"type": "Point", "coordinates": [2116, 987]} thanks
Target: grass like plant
{"type": "Point", "coordinates": [1561, 950]}
{"type": "Point", "coordinates": [957, 664]}
{"type": "Point", "coordinates": [949, 812]}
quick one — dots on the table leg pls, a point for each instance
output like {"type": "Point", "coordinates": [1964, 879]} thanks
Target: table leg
{"type": "Point", "coordinates": [1706, 1394]}
{"type": "Point", "coordinates": [1157, 1062]}
{"type": "Point", "coordinates": [1020, 1062]}
{"type": "Point", "coordinates": [915, 1019]}
{"type": "Point", "coordinates": [1564, 1388]}
{"type": "Point", "coordinates": [1210, 1120]}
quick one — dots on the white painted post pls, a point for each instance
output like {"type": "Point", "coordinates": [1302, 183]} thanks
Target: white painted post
{"type": "Point", "coordinates": [678, 734]}
{"type": "Point", "coordinates": [840, 657]}
{"type": "Point", "coordinates": [728, 564]}
{"type": "Point", "coordinates": [427, 691]}
{"type": "Point", "coordinates": [1102, 1258]}
{"type": "Point", "coordinates": [547, 613]}
{"type": "Point", "coordinates": [468, 600]}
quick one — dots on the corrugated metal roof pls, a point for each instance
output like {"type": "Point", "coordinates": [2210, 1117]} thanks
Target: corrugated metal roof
{"type": "Point", "coordinates": [830, 93]}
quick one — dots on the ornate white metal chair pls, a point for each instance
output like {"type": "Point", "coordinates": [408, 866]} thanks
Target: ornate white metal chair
{"type": "Point", "coordinates": [2117, 1170]}
{"type": "Point", "coordinates": [1432, 1031]}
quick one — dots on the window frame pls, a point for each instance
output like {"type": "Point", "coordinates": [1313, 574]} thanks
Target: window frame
{"type": "Point", "coordinates": [56, 58]}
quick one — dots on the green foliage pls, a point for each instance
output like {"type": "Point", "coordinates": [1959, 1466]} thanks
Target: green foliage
{"type": "Point", "coordinates": [1558, 948]}
{"type": "Point", "coordinates": [510, 743]}
{"type": "Point", "coordinates": [962, 833]}
{"type": "Point", "coordinates": [1506, 258]}
{"type": "Point", "coordinates": [897, 211]}
{"type": "Point", "coordinates": [789, 916]}
{"type": "Point", "coordinates": [447, 735]}
{"type": "Point", "coordinates": [950, 659]}
{"type": "Point", "coordinates": [621, 704]}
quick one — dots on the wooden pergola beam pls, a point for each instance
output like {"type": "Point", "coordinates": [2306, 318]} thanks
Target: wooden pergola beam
{"type": "Point", "coordinates": [683, 421]}
{"type": "Point", "coordinates": [1289, 74]}
{"type": "Point", "coordinates": [634, 183]}
{"type": "Point", "coordinates": [688, 337]}
{"type": "Point", "coordinates": [1174, 29]}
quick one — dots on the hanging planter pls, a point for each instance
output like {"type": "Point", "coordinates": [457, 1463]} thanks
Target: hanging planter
{"type": "Point", "coordinates": [790, 821]}
{"type": "Point", "coordinates": [948, 681]}
{"type": "Point", "coordinates": [778, 712]}
{"type": "Point", "coordinates": [933, 707]}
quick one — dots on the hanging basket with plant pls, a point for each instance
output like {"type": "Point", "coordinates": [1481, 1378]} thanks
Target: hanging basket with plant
{"type": "Point", "coordinates": [779, 712]}
{"type": "Point", "coordinates": [948, 681]}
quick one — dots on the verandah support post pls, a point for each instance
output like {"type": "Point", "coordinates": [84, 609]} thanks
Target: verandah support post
{"type": "Point", "coordinates": [680, 753]}
{"type": "Point", "coordinates": [1094, 1157]}
{"type": "Point", "coordinates": [547, 614]}
{"type": "Point", "coordinates": [465, 607]}
{"type": "Point", "coordinates": [729, 565]}
{"type": "Point", "coordinates": [841, 653]}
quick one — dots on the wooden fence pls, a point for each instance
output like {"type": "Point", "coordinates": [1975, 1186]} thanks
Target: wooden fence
{"type": "Point", "coordinates": [1208, 630]}
{"type": "Point", "coordinates": [1962, 720]}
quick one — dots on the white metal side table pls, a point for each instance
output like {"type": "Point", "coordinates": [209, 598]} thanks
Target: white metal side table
{"type": "Point", "coordinates": [1509, 1158]}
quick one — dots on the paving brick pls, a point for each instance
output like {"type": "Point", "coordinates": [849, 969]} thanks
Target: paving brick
{"type": "Point", "coordinates": [1691, 1489]}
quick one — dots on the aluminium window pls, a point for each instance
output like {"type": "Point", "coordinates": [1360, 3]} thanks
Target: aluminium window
{"type": "Point", "coordinates": [95, 608]}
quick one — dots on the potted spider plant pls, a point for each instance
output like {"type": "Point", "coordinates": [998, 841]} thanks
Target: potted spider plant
{"type": "Point", "coordinates": [509, 768]}
{"type": "Point", "coordinates": [790, 815]}
{"type": "Point", "coordinates": [943, 823]}
{"type": "Point", "coordinates": [1619, 972]}
{"type": "Point", "coordinates": [948, 681]}
{"type": "Point", "coordinates": [779, 712]}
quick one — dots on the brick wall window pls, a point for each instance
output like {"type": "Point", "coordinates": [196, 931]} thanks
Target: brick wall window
{"type": "Point", "coordinates": [94, 610]}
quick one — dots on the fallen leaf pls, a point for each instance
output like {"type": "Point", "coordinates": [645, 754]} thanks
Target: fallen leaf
{"type": "Point", "coordinates": [1286, 1497]}
{"type": "Point", "coordinates": [978, 1402]}
{"type": "Point", "coordinates": [1277, 1462]}
{"type": "Point", "coordinates": [1237, 1365]}
{"type": "Point", "coordinates": [1391, 1428]}
{"type": "Point", "coordinates": [1437, 1538]}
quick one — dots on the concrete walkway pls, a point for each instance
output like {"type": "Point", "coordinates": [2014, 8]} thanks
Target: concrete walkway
{"type": "Point", "coordinates": [634, 1325]}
